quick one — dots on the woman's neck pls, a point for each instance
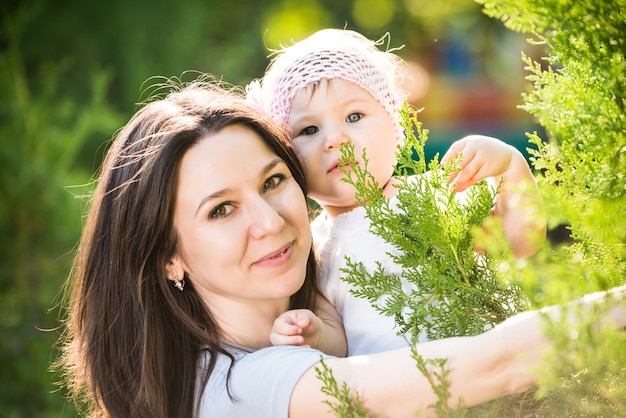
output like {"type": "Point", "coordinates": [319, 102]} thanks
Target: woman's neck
{"type": "Point", "coordinates": [249, 323]}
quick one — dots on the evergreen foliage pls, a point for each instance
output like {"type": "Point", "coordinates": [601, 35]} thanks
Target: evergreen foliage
{"type": "Point", "coordinates": [579, 96]}
{"type": "Point", "coordinates": [348, 405]}
{"type": "Point", "coordinates": [43, 136]}
{"type": "Point", "coordinates": [437, 375]}
{"type": "Point", "coordinates": [446, 288]}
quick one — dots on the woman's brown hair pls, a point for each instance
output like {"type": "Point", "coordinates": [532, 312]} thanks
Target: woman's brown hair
{"type": "Point", "coordinates": [132, 341]}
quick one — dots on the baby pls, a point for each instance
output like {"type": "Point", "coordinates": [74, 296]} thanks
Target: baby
{"type": "Point", "coordinates": [336, 86]}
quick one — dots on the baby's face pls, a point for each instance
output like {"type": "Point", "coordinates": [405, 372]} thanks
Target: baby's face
{"type": "Point", "coordinates": [325, 116]}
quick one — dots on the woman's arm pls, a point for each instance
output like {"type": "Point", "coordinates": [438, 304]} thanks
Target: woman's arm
{"type": "Point", "coordinates": [482, 368]}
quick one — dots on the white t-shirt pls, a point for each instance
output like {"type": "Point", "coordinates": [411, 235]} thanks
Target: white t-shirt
{"type": "Point", "coordinates": [367, 330]}
{"type": "Point", "coordinates": [261, 382]}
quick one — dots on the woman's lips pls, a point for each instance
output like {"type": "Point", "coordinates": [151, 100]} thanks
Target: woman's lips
{"type": "Point", "coordinates": [277, 257]}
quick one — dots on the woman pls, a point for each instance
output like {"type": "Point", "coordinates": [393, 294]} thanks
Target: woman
{"type": "Point", "coordinates": [197, 239]}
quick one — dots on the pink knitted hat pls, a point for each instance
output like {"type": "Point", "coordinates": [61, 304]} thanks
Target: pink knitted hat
{"type": "Point", "coordinates": [328, 54]}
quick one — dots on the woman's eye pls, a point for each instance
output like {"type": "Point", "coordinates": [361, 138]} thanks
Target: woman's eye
{"type": "Point", "coordinates": [273, 182]}
{"type": "Point", "coordinates": [221, 211]}
{"type": "Point", "coordinates": [310, 130]}
{"type": "Point", "coordinates": [354, 117]}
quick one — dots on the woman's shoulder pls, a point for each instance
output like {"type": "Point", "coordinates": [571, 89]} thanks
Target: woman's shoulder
{"type": "Point", "coordinates": [251, 376]}
{"type": "Point", "coordinates": [263, 357]}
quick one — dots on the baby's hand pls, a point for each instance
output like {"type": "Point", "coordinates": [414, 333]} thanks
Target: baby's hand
{"type": "Point", "coordinates": [482, 157]}
{"type": "Point", "coordinates": [296, 327]}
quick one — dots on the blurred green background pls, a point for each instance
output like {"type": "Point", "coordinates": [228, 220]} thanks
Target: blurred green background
{"type": "Point", "coordinates": [72, 71]}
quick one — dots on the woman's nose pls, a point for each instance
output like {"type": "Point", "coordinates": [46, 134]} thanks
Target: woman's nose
{"type": "Point", "coordinates": [264, 218]}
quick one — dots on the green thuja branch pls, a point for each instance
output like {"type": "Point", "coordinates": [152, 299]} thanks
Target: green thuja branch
{"type": "Point", "coordinates": [446, 289]}
{"type": "Point", "coordinates": [437, 374]}
{"type": "Point", "coordinates": [578, 95]}
{"type": "Point", "coordinates": [347, 405]}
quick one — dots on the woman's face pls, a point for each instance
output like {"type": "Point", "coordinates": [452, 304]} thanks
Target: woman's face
{"type": "Point", "coordinates": [241, 219]}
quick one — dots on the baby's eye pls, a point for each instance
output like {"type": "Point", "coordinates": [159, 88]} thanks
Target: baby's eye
{"type": "Point", "coordinates": [310, 130]}
{"type": "Point", "coordinates": [221, 211]}
{"type": "Point", "coordinates": [354, 117]}
{"type": "Point", "coordinates": [273, 182]}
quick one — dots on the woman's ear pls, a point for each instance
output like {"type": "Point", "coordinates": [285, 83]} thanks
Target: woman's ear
{"type": "Point", "coordinates": [174, 269]}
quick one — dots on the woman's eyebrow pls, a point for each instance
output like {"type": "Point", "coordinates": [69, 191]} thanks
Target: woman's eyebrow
{"type": "Point", "coordinates": [266, 169]}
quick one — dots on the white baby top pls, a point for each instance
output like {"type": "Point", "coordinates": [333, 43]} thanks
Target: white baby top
{"type": "Point", "coordinates": [367, 330]}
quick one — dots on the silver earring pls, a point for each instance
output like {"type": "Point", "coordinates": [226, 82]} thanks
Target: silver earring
{"type": "Point", "coordinates": [180, 284]}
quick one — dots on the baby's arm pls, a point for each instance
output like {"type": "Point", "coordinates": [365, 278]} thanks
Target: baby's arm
{"type": "Point", "coordinates": [302, 327]}
{"type": "Point", "coordinates": [519, 204]}
{"type": "Point", "coordinates": [334, 336]}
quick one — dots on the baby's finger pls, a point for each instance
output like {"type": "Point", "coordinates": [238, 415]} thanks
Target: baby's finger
{"type": "Point", "coordinates": [467, 177]}
{"type": "Point", "coordinates": [286, 328]}
{"type": "Point", "coordinates": [461, 164]}
{"type": "Point", "coordinates": [279, 339]}
{"type": "Point", "coordinates": [453, 176]}
{"type": "Point", "coordinates": [452, 152]}
{"type": "Point", "coordinates": [303, 321]}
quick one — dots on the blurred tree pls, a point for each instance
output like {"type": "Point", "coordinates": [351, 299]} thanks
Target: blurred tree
{"type": "Point", "coordinates": [42, 132]}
